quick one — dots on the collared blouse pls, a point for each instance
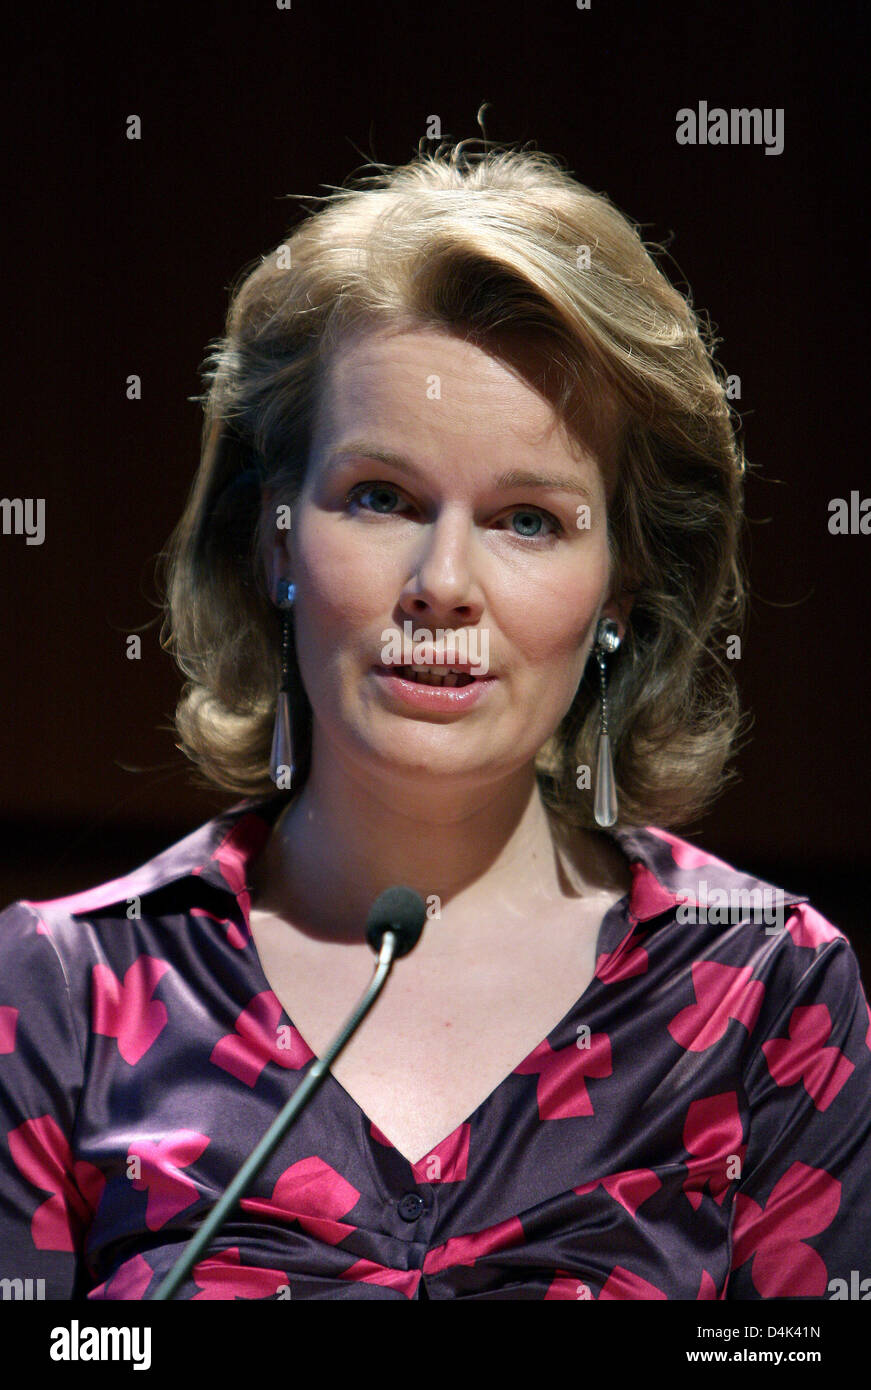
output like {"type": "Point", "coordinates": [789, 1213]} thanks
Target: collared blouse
{"type": "Point", "coordinates": [697, 1126]}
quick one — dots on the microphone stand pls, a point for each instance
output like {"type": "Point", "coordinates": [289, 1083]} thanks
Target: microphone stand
{"type": "Point", "coordinates": [280, 1125]}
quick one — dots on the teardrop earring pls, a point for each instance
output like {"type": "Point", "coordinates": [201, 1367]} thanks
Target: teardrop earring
{"type": "Point", "coordinates": [281, 764]}
{"type": "Point", "coordinates": [605, 802]}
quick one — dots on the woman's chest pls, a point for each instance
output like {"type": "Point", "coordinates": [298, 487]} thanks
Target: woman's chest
{"type": "Point", "coordinates": [633, 1129]}
{"type": "Point", "coordinates": [446, 1029]}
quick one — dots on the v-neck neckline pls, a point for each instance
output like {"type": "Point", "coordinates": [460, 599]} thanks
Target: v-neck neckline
{"type": "Point", "coordinates": [617, 909]}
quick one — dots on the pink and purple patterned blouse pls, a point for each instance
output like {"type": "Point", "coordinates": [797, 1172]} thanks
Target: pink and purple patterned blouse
{"type": "Point", "coordinates": [697, 1126]}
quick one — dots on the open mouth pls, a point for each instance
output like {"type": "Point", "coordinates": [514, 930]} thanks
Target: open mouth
{"type": "Point", "coordinates": [422, 675]}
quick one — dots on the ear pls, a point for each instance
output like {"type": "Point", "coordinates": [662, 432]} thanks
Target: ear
{"type": "Point", "coordinates": [275, 556]}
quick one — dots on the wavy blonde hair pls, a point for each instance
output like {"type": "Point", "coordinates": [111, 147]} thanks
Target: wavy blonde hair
{"type": "Point", "coordinates": [502, 246]}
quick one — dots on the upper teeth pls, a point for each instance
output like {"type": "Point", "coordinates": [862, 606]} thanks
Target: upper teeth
{"type": "Point", "coordinates": [432, 675]}
{"type": "Point", "coordinates": [438, 670]}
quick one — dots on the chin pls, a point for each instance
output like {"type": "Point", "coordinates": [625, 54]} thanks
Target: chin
{"type": "Point", "coordinates": [412, 758]}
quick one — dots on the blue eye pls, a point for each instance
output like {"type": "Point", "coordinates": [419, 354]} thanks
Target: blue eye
{"type": "Point", "coordinates": [537, 515]}
{"type": "Point", "coordinates": [531, 516]}
{"type": "Point", "coordinates": [377, 490]}
{"type": "Point", "coordinates": [383, 492]}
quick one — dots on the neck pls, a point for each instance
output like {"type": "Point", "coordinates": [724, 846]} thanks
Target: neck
{"type": "Point", "coordinates": [491, 846]}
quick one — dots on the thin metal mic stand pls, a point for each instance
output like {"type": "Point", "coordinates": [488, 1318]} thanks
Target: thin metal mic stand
{"type": "Point", "coordinates": [280, 1125]}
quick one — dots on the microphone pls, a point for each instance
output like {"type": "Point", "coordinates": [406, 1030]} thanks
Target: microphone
{"type": "Point", "coordinates": [401, 911]}
{"type": "Point", "coordinates": [393, 928]}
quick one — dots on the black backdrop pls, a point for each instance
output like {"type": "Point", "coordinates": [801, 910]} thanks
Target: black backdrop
{"type": "Point", "coordinates": [120, 254]}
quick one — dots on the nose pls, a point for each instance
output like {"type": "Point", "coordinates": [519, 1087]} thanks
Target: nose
{"type": "Point", "coordinates": [442, 586]}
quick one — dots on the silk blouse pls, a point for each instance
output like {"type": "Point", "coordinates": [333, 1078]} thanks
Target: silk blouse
{"type": "Point", "coordinates": [697, 1126]}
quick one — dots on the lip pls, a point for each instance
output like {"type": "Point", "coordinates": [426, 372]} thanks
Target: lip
{"type": "Point", "coordinates": [434, 697]}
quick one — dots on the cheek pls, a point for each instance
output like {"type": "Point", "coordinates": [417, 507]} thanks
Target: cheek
{"type": "Point", "coordinates": [348, 590]}
{"type": "Point", "coordinates": [343, 583]}
{"type": "Point", "coordinates": [553, 621]}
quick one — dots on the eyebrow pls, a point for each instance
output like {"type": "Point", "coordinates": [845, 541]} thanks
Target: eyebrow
{"type": "Point", "coordinates": [513, 478]}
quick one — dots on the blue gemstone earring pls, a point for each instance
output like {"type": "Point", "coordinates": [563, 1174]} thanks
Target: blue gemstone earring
{"type": "Point", "coordinates": [281, 764]}
{"type": "Point", "coordinates": [605, 802]}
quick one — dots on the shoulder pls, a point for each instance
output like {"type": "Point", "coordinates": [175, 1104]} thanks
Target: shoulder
{"type": "Point", "coordinates": [200, 876]}
{"type": "Point", "coordinates": [711, 912]}
{"type": "Point", "coordinates": [27, 949]}
{"type": "Point", "coordinates": [672, 875]}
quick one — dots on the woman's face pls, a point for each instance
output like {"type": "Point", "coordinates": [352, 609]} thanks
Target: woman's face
{"type": "Point", "coordinates": [434, 539]}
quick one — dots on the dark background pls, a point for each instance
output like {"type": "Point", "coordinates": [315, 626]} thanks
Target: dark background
{"type": "Point", "coordinates": [119, 260]}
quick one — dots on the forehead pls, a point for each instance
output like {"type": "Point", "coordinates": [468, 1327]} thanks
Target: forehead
{"type": "Point", "coordinates": [431, 387]}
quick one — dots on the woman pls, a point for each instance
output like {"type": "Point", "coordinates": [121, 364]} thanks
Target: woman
{"type": "Point", "coordinates": [460, 419]}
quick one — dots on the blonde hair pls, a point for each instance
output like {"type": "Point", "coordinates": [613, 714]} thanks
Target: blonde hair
{"type": "Point", "coordinates": [499, 247]}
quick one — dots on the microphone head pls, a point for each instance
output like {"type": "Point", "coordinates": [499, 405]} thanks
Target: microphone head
{"type": "Point", "coordinates": [399, 910]}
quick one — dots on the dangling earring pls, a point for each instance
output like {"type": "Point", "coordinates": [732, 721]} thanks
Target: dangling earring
{"type": "Point", "coordinates": [281, 764]}
{"type": "Point", "coordinates": [605, 803]}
